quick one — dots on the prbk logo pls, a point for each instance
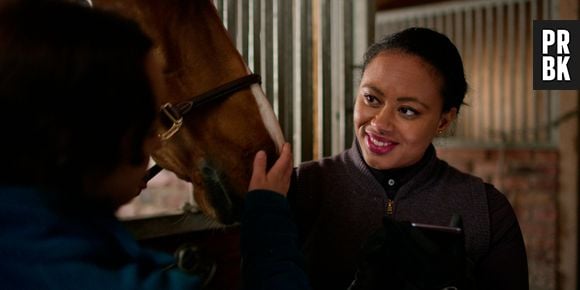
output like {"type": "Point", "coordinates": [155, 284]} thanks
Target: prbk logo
{"type": "Point", "coordinates": [556, 54]}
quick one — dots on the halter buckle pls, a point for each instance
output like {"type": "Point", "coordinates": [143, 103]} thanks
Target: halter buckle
{"type": "Point", "coordinates": [176, 121]}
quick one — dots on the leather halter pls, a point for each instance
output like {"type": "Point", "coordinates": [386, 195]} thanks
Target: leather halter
{"type": "Point", "coordinates": [174, 114]}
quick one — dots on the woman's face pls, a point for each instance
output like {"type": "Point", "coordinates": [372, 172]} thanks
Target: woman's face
{"type": "Point", "coordinates": [398, 110]}
{"type": "Point", "coordinates": [127, 180]}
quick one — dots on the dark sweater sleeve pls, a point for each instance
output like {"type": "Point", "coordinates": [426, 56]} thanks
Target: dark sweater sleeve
{"type": "Point", "coordinates": [271, 258]}
{"type": "Point", "coordinates": [505, 266]}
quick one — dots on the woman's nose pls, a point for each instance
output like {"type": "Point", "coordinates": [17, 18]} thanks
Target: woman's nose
{"type": "Point", "coordinates": [383, 120]}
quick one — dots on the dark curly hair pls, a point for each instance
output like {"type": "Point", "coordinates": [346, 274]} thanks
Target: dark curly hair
{"type": "Point", "coordinates": [73, 85]}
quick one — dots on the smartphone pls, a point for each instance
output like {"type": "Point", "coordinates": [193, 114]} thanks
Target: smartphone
{"type": "Point", "coordinates": [446, 237]}
{"type": "Point", "coordinates": [436, 228]}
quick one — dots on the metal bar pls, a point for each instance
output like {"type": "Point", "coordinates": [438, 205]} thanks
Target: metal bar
{"type": "Point", "coordinates": [457, 22]}
{"type": "Point", "coordinates": [335, 70]}
{"type": "Point", "coordinates": [553, 95]}
{"type": "Point", "coordinates": [251, 37]}
{"type": "Point", "coordinates": [285, 67]}
{"type": "Point", "coordinates": [232, 18]}
{"type": "Point", "coordinates": [479, 101]}
{"type": "Point", "coordinates": [489, 104]}
{"type": "Point", "coordinates": [337, 76]}
{"type": "Point", "coordinates": [256, 44]}
{"type": "Point", "coordinates": [448, 20]}
{"type": "Point", "coordinates": [411, 22]}
{"type": "Point", "coordinates": [439, 22]}
{"type": "Point", "coordinates": [275, 57]}
{"type": "Point", "coordinates": [297, 80]}
{"type": "Point", "coordinates": [536, 104]}
{"type": "Point", "coordinates": [219, 4]}
{"type": "Point", "coordinates": [421, 21]}
{"type": "Point", "coordinates": [469, 119]}
{"type": "Point", "coordinates": [500, 96]}
{"type": "Point", "coordinates": [523, 98]}
{"type": "Point", "coordinates": [244, 24]}
{"type": "Point", "coordinates": [529, 96]}
{"type": "Point", "coordinates": [325, 102]}
{"type": "Point", "coordinates": [431, 21]}
{"type": "Point", "coordinates": [306, 83]}
{"type": "Point", "coordinates": [512, 72]}
{"type": "Point", "coordinates": [268, 50]}
{"type": "Point", "coordinates": [349, 72]}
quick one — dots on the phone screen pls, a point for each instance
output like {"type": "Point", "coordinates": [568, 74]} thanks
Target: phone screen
{"type": "Point", "coordinates": [444, 236]}
{"type": "Point", "coordinates": [428, 227]}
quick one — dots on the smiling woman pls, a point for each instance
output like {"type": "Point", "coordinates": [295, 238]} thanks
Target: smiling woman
{"type": "Point", "coordinates": [393, 113]}
{"type": "Point", "coordinates": [411, 90]}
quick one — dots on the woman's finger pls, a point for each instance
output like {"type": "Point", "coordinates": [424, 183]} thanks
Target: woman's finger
{"type": "Point", "coordinates": [284, 163]}
{"type": "Point", "coordinates": [258, 171]}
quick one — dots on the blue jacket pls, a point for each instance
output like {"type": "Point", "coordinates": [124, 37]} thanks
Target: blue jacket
{"type": "Point", "coordinates": [271, 257]}
{"type": "Point", "coordinates": [41, 248]}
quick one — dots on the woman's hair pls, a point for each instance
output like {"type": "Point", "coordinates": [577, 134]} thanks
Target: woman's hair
{"type": "Point", "coordinates": [435, 49]}
{"type": "Point", "coordinates": [73, 86]}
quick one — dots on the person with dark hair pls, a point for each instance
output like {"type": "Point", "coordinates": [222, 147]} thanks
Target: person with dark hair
{"type": "Point", "coordinates": [78, 93]}
{"type": "Point", "coordinates": [411, 90]}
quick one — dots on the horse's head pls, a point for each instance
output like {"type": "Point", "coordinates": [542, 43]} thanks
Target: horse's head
{"type": "Point", "coordinates": [216, 143]}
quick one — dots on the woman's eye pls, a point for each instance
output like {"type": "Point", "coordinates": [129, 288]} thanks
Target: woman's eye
{"type": "Point", "coordinates": [371, 100]}
{"type": "Point", "coordinates": [408, 112]}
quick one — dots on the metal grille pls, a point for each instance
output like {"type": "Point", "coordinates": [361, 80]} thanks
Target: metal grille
{"type": "Point", "coordinates": [495, 40]}
{"type": "Point", "coordinates": [309, 57]}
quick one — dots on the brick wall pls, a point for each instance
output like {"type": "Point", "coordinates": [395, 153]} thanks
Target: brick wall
{"type": "Point", "coordinates": [529, 179]}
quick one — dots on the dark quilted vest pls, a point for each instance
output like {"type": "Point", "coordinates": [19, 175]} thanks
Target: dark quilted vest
{"type": "Point", "coordinates": [338, 203]}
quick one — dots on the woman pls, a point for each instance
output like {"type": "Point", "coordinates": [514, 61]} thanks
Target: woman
{"type": "Point", "coordinates": [78, 91]}
{"type": "Point", "coordinates": [411, 90]}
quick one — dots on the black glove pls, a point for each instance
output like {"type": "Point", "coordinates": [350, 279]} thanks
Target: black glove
{"type": "Point", "coordinates": [404, 257]}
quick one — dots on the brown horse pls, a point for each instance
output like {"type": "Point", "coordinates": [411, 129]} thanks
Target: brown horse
{"type": "Point", "coordinates": [219, 116]}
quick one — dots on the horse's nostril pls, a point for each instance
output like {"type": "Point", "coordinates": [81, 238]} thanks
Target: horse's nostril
{"type": "Point", "coordinates": [217, 193]}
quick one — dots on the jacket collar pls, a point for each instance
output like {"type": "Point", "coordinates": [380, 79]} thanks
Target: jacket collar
{"type": "Point", "coordinates": [413, 177]}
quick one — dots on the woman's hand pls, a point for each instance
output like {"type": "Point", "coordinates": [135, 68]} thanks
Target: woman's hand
{"type": "Point", "coordinates": [278, 178]}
